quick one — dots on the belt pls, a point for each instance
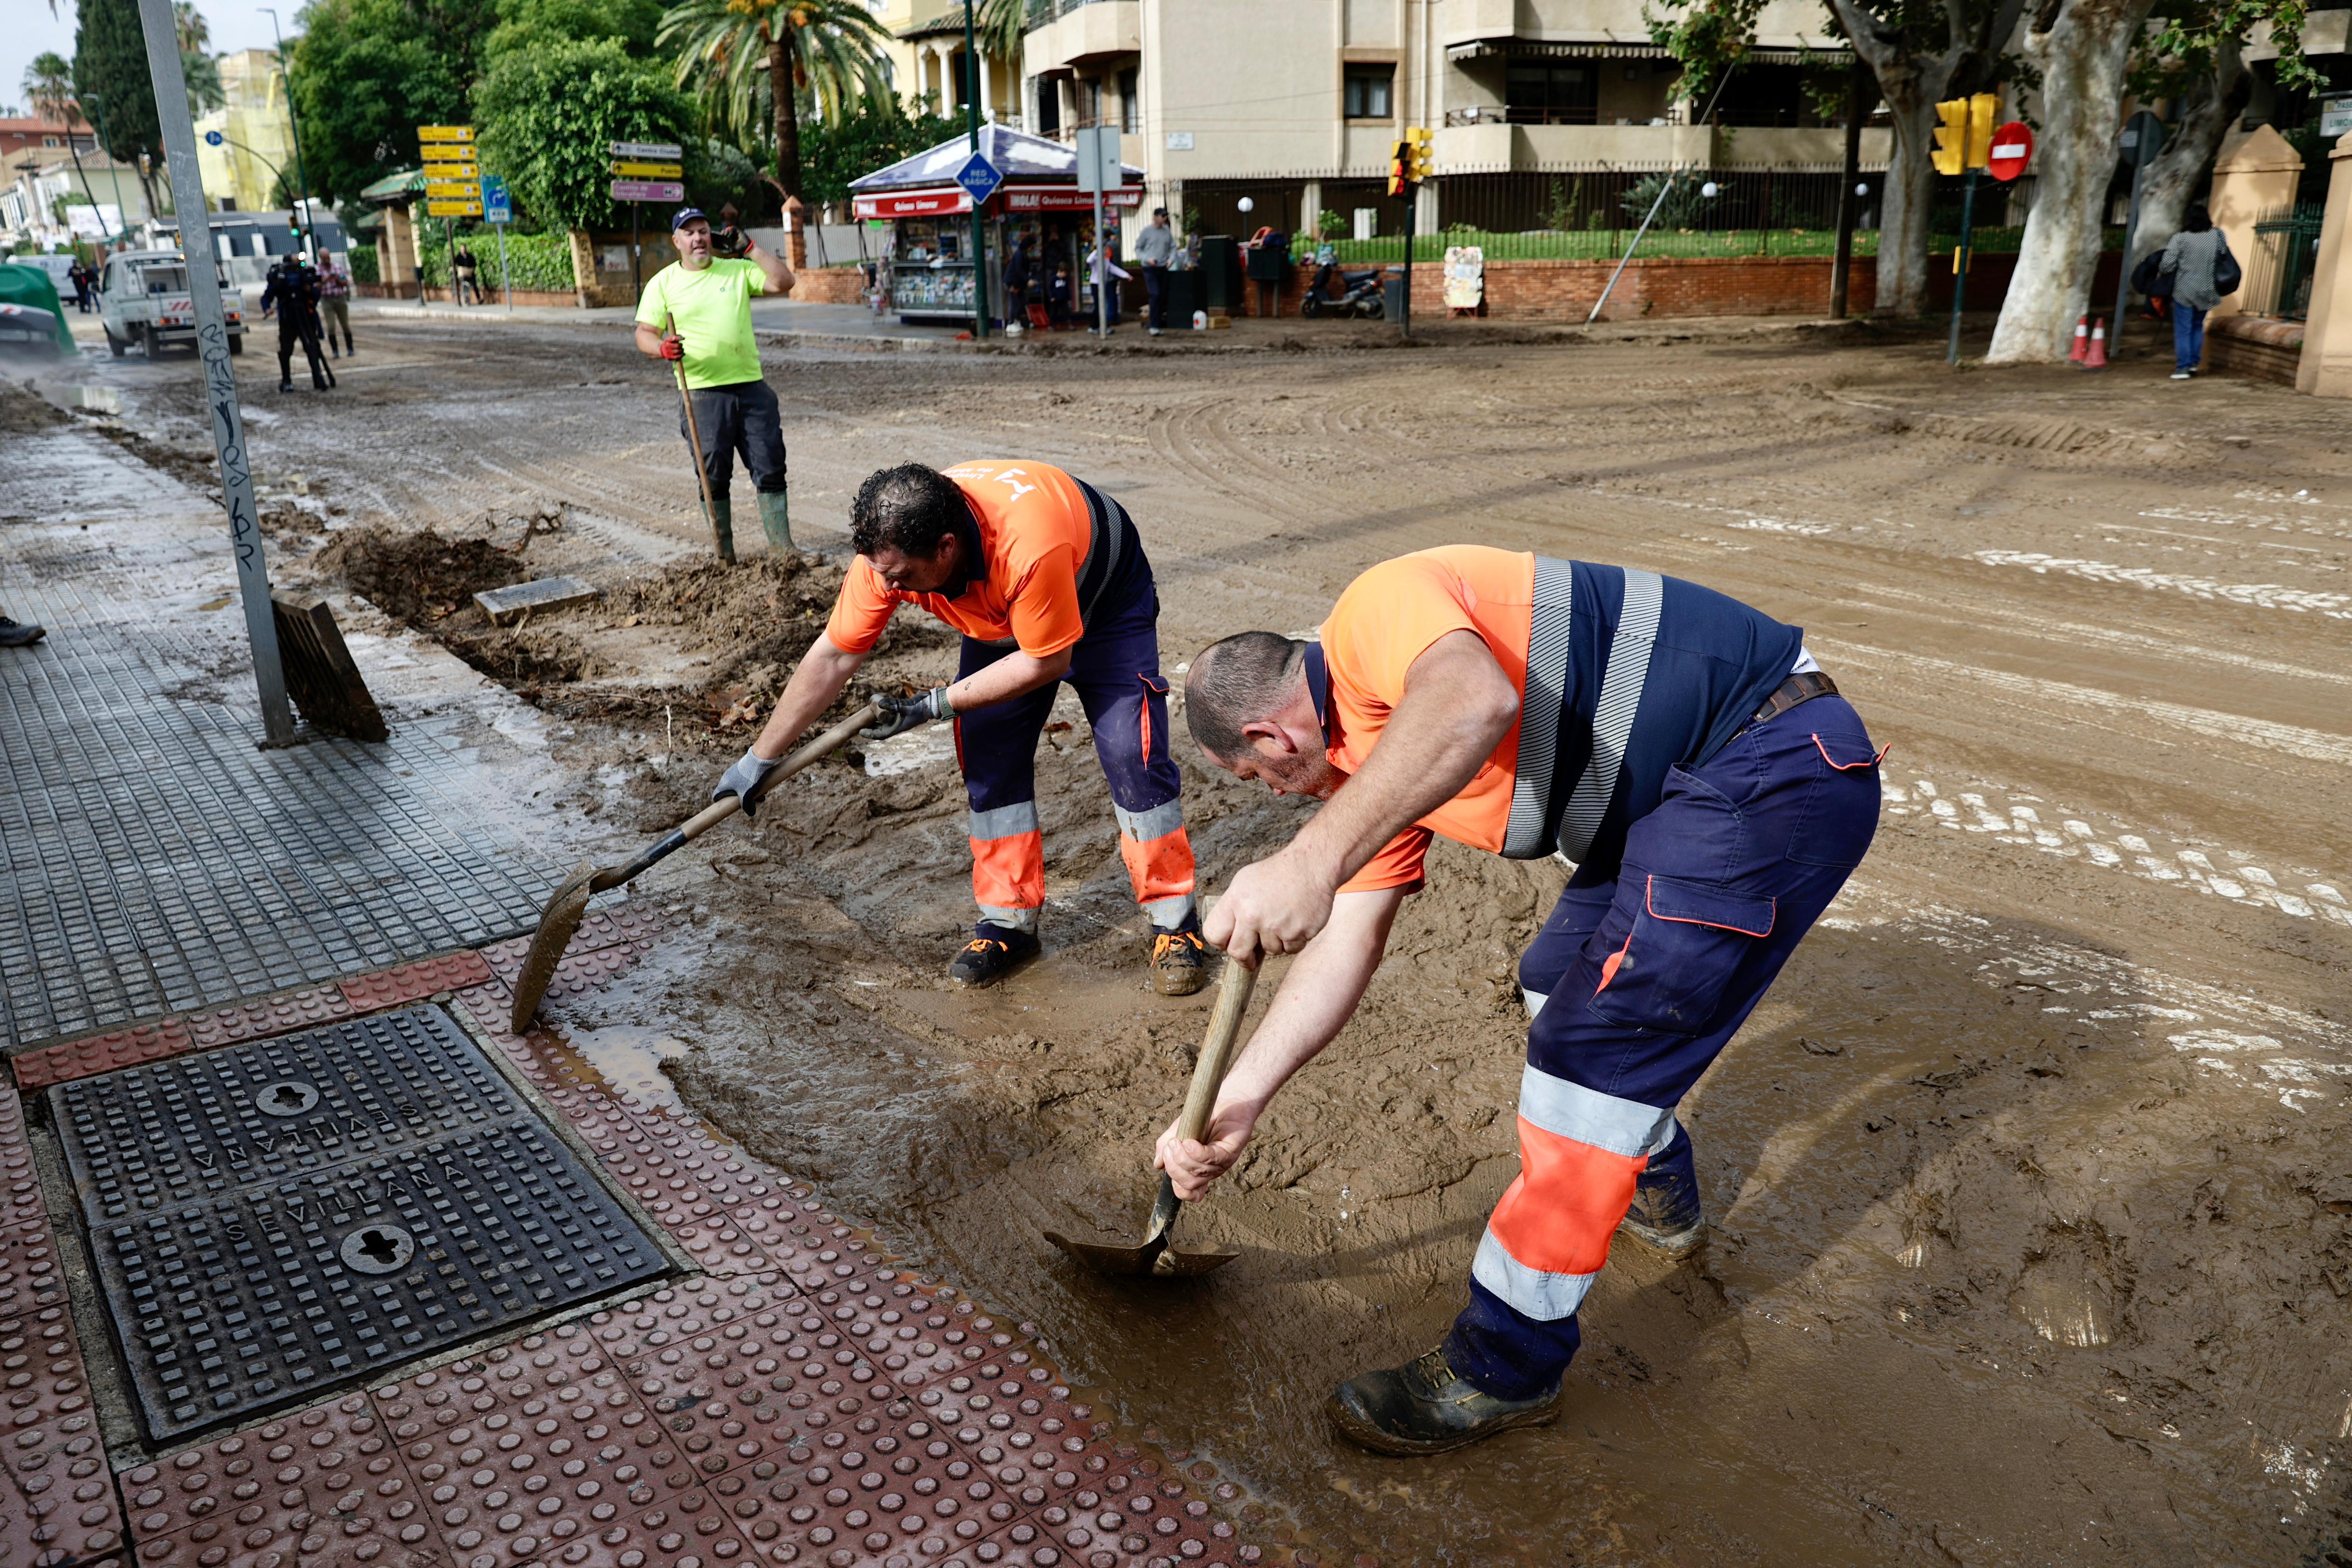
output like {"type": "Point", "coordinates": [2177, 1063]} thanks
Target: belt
{"type": "Point", "coordinates": [1796, 689]}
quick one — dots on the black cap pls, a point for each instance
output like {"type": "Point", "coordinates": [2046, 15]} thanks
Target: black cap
{"type": "Point", "coordinates": [687, 215]}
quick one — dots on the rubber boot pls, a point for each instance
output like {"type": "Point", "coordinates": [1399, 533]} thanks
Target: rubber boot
{"type": "Point", "coordinates": [1426, 1407]}
{"type": "Point", "coordinates": [722, 524]}
{"type": "Point", "coordinates": [775, 521]}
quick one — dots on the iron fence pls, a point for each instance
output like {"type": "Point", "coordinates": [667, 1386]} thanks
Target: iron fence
{"type": "Point", "coordinates": [2286, 253]}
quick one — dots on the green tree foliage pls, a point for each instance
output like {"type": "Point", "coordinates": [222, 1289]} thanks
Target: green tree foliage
{"type": "Point", "coordinates": [48, 86]}
{"type": "Point", "coordinates": [196, 63]}
{"type": "Point", "coordinates": [537, 23]}
{"type": "Point", "coordinates": [833, 154]}
{"type": "Point", "coordinates": [749, 60]}
{"type": "Point", "coordinates": [367, 73]}
{"type": "Point", "coordinates": [111, 61]}
{"type": "Point", "coordinates": [547, 116]}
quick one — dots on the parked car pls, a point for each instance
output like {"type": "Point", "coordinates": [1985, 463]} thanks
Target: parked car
{"type": "Point", "coordinates": [58, 267]}
{"type": "Point", "coordinates": [143, 301]}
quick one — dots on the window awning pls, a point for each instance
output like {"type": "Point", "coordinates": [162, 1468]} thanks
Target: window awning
{"type": "Point", "coordinates": [941, 201]}
{"type": "Point", "coordinates": [1829, 52]}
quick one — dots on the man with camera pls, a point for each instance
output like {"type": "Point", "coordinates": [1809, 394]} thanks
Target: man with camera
{"type": "Point", "coordinates": [698, 312]}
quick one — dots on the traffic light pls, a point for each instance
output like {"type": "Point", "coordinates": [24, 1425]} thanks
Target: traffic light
{"type": "Point", "coordinates": [1419, 165]}
{"type": "Point", "coordinates": [1400, 169]}
{"type": "Point", "coordinates": [1951, 153]}
{"type": "Point", "coordinates": [1982, 108]}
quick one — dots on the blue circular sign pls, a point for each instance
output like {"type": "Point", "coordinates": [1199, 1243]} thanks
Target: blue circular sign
{"type": "Point", "coordinates": [213, 138]}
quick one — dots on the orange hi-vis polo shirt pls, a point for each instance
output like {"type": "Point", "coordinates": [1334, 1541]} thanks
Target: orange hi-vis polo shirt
{"type": "Point", "coordinates": [1035, 531]}
{"type": "Point", "coordinates": [1391, 616]}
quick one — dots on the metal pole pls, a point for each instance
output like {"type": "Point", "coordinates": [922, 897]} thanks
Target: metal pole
{"type": "Point", "coordinates": [1849, 199]}
{"type": "Point", "coordinates": [1961, 266]}
{"type": "Point", "coordinates": [1411, 205]}
{"type": "Point", "coordinates": [979, 225]}
{"type": "Point", "coordinates": [112, 173]}
{"type": "Point", "coordinates": [1102, 265]}
{"type": "Point", "coordinates": [1672, 174]}
{"type": "Point", "coordinates": [636, 251]}
{"type": "Point", "coordinates": [294, 132]}
{"type": "Point", "coordinates": [506, 278]}
{"type": "Point", "coordinates": [220, 377]}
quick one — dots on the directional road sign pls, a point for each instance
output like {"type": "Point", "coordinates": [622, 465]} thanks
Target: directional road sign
{"type": "Point", "coordinates": [625, 170]}
{"type": "Point", "coordinates": [495, 207]}
{"type": "Point", "coordinates": [453, 190]}
{"type": "Point", "coordinates": [2012, 150]}
{"type": "Point", "coordinates": [648, 190]}
{"type": "Point", "coordinates": [453, 209]}
{"type": "Point", "coordinates": [213, 139]}
{"type": "Point", "coordinates": [445, 134]}
{"type": "Point", "coordinates": [652, 152]}
{"type": "Point", "coordinates": [979, 177]}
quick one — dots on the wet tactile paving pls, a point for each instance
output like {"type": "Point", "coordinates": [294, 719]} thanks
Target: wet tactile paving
{"type": "Point", "coordinates": [280, 1014]}
{"type": "Point", "coordinates": [103, 1053]}
{"type": "Point", "coordinates": [271, 1220]}
{"type": "Point", "coordinates": [325, 1485]}
{"type": "Point", "coordinates": [58, 1502]}
{"type": "Point", "coordinates": [604, 928]}
{"type": "Point", "coordinates": [413, 982]}
{"type": "Point", "coordinates": [157, 862]}
{"type": "Point", "coordinates": [20, 1182]}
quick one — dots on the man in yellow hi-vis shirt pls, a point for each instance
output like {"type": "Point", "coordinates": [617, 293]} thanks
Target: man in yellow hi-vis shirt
{"type": "Point", "coordinates": [698, 311]}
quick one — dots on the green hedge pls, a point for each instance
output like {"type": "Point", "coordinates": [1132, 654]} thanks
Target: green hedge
{"type": "Point", "coordinates": [541, 261]}
{"type": "Point", "coordinates": [362, 260]}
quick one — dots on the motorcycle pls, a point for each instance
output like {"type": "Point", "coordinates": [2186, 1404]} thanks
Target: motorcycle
{"type": "Point", "coordinates": [1335, 292]}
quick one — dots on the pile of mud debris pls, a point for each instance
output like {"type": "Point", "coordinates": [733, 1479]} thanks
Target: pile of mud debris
{"type": "Point", "coordinates": [697, 647]}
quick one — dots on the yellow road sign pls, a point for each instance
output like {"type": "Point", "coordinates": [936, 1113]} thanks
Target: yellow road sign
{"type": "Point", "coordinates": [628, 170]}
{"type": "Point", "coordinates": [445, 134]}
{"type": "Point", "coordinates": [453, 209]}
{"type": "Point", "coordinates": [453, 190]}
{"type": "Point", "coordinates": [449, 153]}
{"type": "Point", "coordinates": [452, 171]}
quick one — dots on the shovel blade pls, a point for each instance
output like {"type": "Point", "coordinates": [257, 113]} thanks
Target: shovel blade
{"type": "Point", "coordinates": [567, 906]}
{"type": "Point", "coordinates": [1154, 1259]}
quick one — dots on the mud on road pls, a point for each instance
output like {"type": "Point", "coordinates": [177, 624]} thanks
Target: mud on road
{"type": "Point", "coordinates": [2032, 1194]}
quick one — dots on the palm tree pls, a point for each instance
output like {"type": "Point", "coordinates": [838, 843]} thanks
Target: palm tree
{"type": "Point", "coordinates": [829, 49]}
{"type": "Point", "coordinates": [48, 87]}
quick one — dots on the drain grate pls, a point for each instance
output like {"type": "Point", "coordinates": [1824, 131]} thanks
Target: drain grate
{"type": "Point", "coordinates": [272, 1221]}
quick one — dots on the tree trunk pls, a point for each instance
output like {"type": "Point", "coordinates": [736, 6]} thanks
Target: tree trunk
{"type": "Point", "coordinates": [787, 107]}
{"type": "Point", "coordinates": [1909, 199]}
{"type": "Point", "coordinates": [2213, 102]}
{"type": "Point", "coordinates": [2082, 56]}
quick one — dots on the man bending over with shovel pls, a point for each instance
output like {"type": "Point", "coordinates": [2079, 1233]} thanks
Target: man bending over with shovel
{"type": "Point", "coordinates": [698, 311]}
{"type": "Point", "coordinates": [1681, 748]}
{"type": "Point", "coordinates": [1045, 577]}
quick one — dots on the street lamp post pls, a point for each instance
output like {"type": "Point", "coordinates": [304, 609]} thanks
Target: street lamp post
{"type": "Point", "coordinates": [98, 100]}
{"type": "Point", "coordinates": [294, 130]}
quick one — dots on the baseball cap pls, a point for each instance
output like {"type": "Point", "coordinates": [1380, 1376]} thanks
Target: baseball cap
{"type": "Point", "coordinates": [687, 215]}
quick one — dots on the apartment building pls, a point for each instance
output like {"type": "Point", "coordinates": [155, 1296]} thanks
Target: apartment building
{"type": "Point", "coordinates": [926, 61]}
{"type": "Point", "coordinates": [255, 131]}
{"type": "Point", "coordinates": [1297, 104]}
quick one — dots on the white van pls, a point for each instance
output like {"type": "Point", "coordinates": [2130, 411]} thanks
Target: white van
{"type": "Point", "coordinates": [144, 301]}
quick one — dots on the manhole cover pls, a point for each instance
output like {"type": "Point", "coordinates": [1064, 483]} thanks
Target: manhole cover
{"type": "Point", "coordinates": [253, 1254]}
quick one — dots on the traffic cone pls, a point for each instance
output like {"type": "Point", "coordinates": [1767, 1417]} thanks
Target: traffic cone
{"type": "Point", "coordinates": [2082, 339]}
{"type": "Point", "coordinates": [2097, 359]}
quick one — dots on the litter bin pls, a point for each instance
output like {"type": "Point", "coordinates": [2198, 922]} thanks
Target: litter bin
{"type": "Point", "coordinates": [1392, 293]}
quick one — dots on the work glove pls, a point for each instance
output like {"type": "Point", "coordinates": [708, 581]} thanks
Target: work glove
{"type": "Point", "coordinates": [673, 347]}
{"type": "Point", "coordinates": [900, 715]}
{"type": "Point", "coordinates": [744, 777]}
{"type": "Point", "coordinates": [729, 241]}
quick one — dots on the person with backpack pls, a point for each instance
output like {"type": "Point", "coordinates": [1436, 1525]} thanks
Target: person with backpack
{"type": "Point", "coordinates": [2202, 273]}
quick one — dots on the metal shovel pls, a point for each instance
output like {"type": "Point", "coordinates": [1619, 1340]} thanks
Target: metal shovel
{"type": "Point", "coordinates": [1154, 1254]}
{"type": "Point", "coordinates": [567, 906]}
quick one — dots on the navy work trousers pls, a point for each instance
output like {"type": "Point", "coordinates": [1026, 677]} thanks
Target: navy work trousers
{"type": "Point", "coordinates": [738, 417]}
{"type": "Point", "coordinates": [1646, 975]}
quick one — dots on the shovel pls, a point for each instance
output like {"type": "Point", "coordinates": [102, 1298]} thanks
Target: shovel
{"type": "Point", "coordinates": [567, 906]}
{"type": "Point", "coordinates": [1154, 1254]}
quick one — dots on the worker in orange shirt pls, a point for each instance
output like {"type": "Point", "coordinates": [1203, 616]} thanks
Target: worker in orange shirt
{"type": "Point", "coordinates": [1045, 577]}
{"type": "Point", "coordinates": [1713, 792]}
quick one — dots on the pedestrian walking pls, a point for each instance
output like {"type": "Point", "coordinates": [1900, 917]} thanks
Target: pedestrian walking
{"type": "Point", "coordinates": [79, 277]}
{"type": "Point", "coordinates": [288, 294]}
{"type": "Point", "coordinates": [2193, 259]}
{"type": "Point", "coordinates": [1046, 579]}
{"type": "Point", "coordinates": [1714, 791]}
{"type": "Point", "coordinates": [706, 301]}
{"type": "Point", "coordinates": [1107, 276]}
{"type": "Point", "coordinates": [335, 303]}
{"type": "Point", "coordinates": [1155, 250]}
{"type": "Point", "coordinates": [463, 266]}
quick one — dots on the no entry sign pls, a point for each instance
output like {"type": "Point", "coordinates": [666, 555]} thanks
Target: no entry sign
{"type": "Point", "coordinates": [2012, 149]}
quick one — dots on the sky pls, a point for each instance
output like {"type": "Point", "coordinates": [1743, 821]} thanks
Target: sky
{"type": "Point", "coordinates": [31, 30]}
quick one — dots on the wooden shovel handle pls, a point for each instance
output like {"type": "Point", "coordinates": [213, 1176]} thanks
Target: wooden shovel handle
{"type": "Point", "coordinates": [1218, 1050]}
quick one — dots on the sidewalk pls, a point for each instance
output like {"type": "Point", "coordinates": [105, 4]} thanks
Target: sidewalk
{"type": "Point", "coordinates": [296, 1201]}
{"type": "Point", "coordinates": [788, 320]}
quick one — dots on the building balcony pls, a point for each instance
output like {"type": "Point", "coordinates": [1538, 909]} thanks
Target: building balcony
{"type": "Point", "coordinates": [1064, 34]}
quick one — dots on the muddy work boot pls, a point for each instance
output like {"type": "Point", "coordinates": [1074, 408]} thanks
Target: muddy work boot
{"type": "Point", "coordinates": [776, 520]}
{"type": "Point", "coordinates": [1179, 963]}
{"type": "Point", "coordinates": [16, 634]}
{"type": "Point", "coordinates": [993, 952]}
{"type": "Point", "coordinates": [1665, 1215]}
{"type": "Point", "coordinates": [1676, 1244]}
{"type": "Point", "coordinates": [1424, 1407]}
